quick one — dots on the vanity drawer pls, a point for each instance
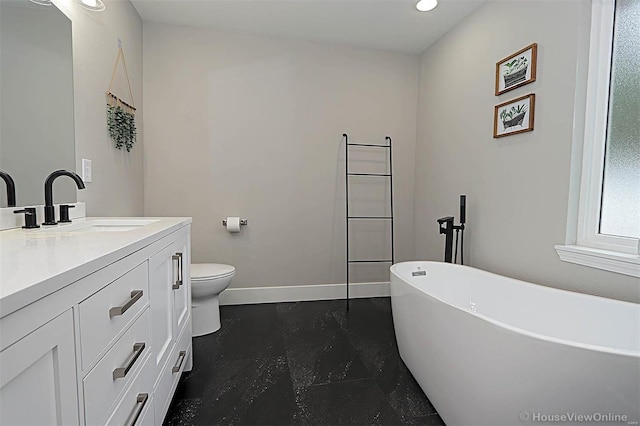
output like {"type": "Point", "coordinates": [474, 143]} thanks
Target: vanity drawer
{"type": "Point", "coordinates": [136, 407]}
{"type": "Point", "coordinates": [116, 370]}
{"type": "Point", "coordinates": [171, 372]}
{"type": "Point", "coordinates": [104, 314]}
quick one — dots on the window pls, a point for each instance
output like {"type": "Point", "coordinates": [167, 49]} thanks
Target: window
{"type": "Point", "coordinates": [606, 231]}
{"type": "Point", "coordinates": [620, 212]}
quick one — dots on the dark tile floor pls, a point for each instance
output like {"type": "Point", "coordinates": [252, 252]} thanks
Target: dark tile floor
{"type": "Point", "coordinates": [310, 363]}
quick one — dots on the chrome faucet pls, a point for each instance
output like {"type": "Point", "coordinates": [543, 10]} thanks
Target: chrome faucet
{"type": "Point", "coordinates": [11, 188]}
{"type": "Point", "coordinates": [49, 210]}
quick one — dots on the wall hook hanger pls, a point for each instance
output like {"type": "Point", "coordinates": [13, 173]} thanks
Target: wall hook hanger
{"type": "Point", "coordinates": [112, 99]}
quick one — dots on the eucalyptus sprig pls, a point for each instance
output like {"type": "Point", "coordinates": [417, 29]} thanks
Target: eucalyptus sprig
{"type": "Point", "coordinates": [122, 127]}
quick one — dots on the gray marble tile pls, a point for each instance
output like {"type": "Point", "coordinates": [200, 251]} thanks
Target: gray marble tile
{"type": "Point", "coordinates": [257, 391]}
{"type": "Point", "coordinates": [301, 363]}
{"type": "Point", "coordinates": [368, 320]}
{"type": "Point", "coordinates": [353, 402]}
{"type": "Point", "coordinates": [247, 332]}
{"type": "Point", "coordinates": [308, 316]}
{"type": "Point", "coordinates": [409, 401]}
{"type": "Point", "coordinates": [323, 356]}
{"type": "Point", "coordinates": [432, 420]}
{"type": "Point", "coordinates": [182, 412]}
{"type": "Point", "coordinates": [369, 327]}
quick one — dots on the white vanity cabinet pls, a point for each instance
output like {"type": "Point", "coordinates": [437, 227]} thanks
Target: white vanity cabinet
{"type": "Point", "coordinates": [108, 348]}
{"type": "Point", "coordinates": [169, 279]}
{"type": "Point", "coordinates": [182, 296]}
{"type": "Point", "coordinates": [38, 377]}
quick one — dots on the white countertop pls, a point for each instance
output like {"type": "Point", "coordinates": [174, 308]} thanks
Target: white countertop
{"type": "Point", "coordinates": [36, 263]}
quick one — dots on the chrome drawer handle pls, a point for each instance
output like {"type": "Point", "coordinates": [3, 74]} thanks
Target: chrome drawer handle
{"type": "Point", "coordinates": [121, 372]}
{"type": "Point", "coordinates": [180, 278]}
{"type": "Point", "coordinates": [119, 310]}
{"type": "Point", "coordinates": [180, 269]}
{"type": "Point", "coordinates": [181, 358]}
{"type": "Point", "coordinates": [141, 401]}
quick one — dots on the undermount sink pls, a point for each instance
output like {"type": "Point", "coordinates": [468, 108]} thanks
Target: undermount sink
{"type": "Point", "coordinates": [104, 225]}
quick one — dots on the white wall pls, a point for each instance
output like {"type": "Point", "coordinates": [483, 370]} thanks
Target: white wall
{"type": "Point", "coordinates": [517, 187]}
{"type": "Point", "coordinates": [250, 126]}
{"type": "Point", "coordinates": [117, 187]}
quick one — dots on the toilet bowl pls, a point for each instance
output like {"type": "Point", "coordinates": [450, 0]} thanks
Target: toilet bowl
{"type": "Point", "coordinates": [208, 280]}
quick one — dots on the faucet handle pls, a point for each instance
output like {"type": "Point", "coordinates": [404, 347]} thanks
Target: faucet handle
{"type": "Point", "coordinates": [445, 223]}
{"type": "Point", "coordinates": [30, 217]}
{"type": "Point", "coordinates": [64, 213]}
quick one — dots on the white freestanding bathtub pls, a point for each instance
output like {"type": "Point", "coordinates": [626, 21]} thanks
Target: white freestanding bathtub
{"type": "Point", "coordinates": [491, 350]}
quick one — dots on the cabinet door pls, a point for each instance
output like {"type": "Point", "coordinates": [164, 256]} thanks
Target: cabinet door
{"type": "Point", "coordinates": [38, 377]}
{"type": "Point", "coordinates": [182, 296]}
{"type": "Point", "coordinates": [162, 285]}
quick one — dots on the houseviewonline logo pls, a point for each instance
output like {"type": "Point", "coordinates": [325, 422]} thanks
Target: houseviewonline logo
{"type": "Point", "coordinates": [535, 417]}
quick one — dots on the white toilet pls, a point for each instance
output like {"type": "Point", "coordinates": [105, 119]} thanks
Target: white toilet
{"type": "Point", "coordinates": [208, 280]}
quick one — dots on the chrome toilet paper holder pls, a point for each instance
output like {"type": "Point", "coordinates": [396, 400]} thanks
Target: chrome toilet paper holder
{"type": "Point", "coordinates": [243, 222]}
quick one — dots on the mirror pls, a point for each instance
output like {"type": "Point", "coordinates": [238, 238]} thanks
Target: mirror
{"type": "Point", "coordinates": [36, 100]}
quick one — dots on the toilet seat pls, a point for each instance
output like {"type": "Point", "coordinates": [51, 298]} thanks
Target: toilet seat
{"type": "Point", "coordinates": [207, 271]}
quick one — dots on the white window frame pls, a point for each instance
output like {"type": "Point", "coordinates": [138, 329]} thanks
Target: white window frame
{"type": "Point", "coordinates": [584, 244]}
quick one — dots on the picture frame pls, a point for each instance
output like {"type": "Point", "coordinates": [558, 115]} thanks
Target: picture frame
{"type": "Point", "coordinates": [517, 70]}
{"type": "Point", "coordinates": [514, 116]}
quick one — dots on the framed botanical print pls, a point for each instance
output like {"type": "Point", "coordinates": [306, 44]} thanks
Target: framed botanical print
{"type": "Point", "coordinates": [514, 116]}
{"type": "Point", "coordinates": [517, 70]}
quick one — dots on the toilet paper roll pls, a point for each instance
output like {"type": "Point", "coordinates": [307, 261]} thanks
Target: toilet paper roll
{"type": "Point", "coordinates": [233, 224]}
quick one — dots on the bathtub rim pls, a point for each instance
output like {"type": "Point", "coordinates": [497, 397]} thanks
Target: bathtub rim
{"type": "Point", "coordinates": [598, 348]}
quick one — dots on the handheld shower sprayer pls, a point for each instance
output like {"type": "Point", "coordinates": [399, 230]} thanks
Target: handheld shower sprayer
{"type": "Point", "coordinates": [447, 227]}
{"type": "Point", "coordinates": [460, 229]}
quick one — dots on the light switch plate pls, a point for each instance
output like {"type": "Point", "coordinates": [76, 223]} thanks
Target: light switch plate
{"type": "Point", "coordinates": [86, 170]}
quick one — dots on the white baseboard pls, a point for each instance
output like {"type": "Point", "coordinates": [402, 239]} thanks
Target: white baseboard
{"type": "Point", "coordinates": [250, 295]}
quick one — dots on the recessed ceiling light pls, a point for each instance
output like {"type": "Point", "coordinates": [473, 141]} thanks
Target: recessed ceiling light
{"type": "Point", "coordinates": [94, 5]}
{"type": "Point", "coordinates": [426, 5]}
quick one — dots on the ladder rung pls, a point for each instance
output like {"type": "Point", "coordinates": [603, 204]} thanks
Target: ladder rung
{"type": "Point", "coordinates": [370, 261]}
{"type": "Point", "coordinates": [369, 217]}
{"type": "Point", "coordinates": [366, 144]}
{"type": "Point", "coordinates": [368, 174]}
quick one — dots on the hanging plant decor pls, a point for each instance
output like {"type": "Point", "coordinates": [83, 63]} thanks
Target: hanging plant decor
{"type": "Point", "coordinates": [121, 123]}
{"type": "Point", "coordinates": [121, 116]}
